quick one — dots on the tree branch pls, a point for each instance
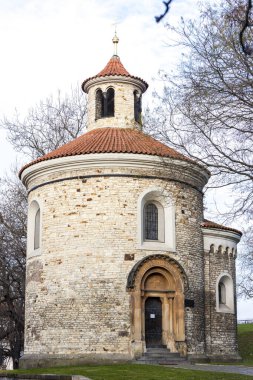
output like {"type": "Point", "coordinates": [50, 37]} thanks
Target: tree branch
{"type": "Point", "coordinates": [246, 48]}
{"type": "Point", "coordinates": [167, 7]}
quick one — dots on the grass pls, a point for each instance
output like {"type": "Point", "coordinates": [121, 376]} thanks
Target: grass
{"type": "Point", "coordinates": [135, 372]}
{"type": "Point", "coordinates": [245, 340]}
{"type": "Point", "coordinates": [150, 372]}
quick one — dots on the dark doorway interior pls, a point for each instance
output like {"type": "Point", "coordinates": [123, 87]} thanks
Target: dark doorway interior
{"type": "Point", "coordinates": [153, 322]}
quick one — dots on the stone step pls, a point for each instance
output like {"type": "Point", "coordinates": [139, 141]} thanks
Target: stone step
{"type": "Point", "coordinates": [160, 352]}
{"type": "Point", "coordinates": [160, 356]}
{"type": "Point", "coordinates": [156, 349]}
{"type": "Point", "coordinates": [170, 355]}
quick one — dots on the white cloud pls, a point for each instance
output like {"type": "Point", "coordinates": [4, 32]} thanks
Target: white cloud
{"type": "Point", "coordinates": [52, 44]}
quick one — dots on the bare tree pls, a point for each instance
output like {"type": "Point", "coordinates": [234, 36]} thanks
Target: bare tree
{"type": "Point", "coordinates": [246, 24]}
{"type": "Point", "coordinates": [245, 278]}
{"type": "Point", "coordinates": [48, 125]}
{"type": "Point", "coordinates": [206, 109]}
{"type": "Point", "coordinates": [167, 8]}
{"type": "Point", "coordinates": [12, 267]}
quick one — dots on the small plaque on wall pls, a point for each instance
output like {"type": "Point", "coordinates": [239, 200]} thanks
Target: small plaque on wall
{"type": "Point", "coordinates": [188, 303]}
{"type": "Point", "coordinates": [129, 256]}
{"type": "Point", "coordinates": [152, 316]}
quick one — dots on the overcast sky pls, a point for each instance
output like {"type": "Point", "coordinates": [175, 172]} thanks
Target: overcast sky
{"type": "Point", "coordinates": [55, 44]}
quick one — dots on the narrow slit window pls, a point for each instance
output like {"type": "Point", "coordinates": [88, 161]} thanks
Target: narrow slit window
{"type": "Point", "coordinates": [150, 222]}
{"type": "Point", "coordinates": [110, 102]}
{"type": "Point", "coordinates": [100, 111]}
{"type": "Point", "coordinates": [222, 293]}
{"type": "Point", "coordinates": [137, 107]}
{"type": "Point", "coordinates": [37, 230]}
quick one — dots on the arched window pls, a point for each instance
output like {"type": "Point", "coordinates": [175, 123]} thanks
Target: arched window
{"type": "Point", "coordinates": [104, 103]}
{"type": "Point", "coordinates": [37, 230]}
{"type": "Point", "coordinates": [225, 294]}
{"type": "Point", "coordinates": [150, 222]}
{"type": "Point", "coordinates": [137, 107]}
{"type": "Point", "coordinates": [99, 104]}
{"type": "Point", "coordinates": [153, 221]}
{"type": "Point", "coordinates": [156, 220]}
{"type": "Point", "coordinates": [222, 293]}
{"type": "Point", "coordinates": [34, 229]}
{"type": "Point", "coordinates": [110, 102]}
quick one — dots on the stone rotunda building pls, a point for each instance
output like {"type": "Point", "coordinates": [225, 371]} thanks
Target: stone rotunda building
{"type": "Point", "coordinates": [119, 255]}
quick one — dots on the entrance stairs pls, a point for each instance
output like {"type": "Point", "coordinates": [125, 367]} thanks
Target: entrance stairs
{"type": "Point", "coordinates": [160, 355]}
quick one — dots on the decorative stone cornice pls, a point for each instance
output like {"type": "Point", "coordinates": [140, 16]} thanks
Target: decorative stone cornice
{"type": "Point", "coordinates": [221, 241]}
{"type": "Point", "coordinates": [111, 79]}
{"type": "Point", "coordinates": [222, 234]}
{"type": "Point", "coordinates": [166, 168]}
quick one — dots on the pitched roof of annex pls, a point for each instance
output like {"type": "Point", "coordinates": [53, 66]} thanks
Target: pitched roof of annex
{"type": "Point", "coordinates": [209, 224]}
{"type": "Point", "coordinates": [114, 68]}
{"type": "Point", "coordinates": [112, 140]}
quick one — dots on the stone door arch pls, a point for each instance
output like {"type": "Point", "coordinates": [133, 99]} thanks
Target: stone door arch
{"type": "Point", "coordinates": [158, 276]}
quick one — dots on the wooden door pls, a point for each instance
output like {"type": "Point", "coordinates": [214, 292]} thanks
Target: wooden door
{"type": "Point", "coordinates": [153, 322]}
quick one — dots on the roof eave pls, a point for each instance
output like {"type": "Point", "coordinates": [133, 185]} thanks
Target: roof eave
{"type": "Point", "coordinates": [114, 78]}
{"type": "Point", "coordinates": [233, 231]}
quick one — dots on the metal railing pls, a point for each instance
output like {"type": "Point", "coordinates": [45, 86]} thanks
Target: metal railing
{"type": "Point", "coordinates": [244, 321]}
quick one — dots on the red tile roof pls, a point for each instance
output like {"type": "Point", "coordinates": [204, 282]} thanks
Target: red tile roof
{"type": "Point", "coordinates": [209, 224]}
{"type": "Point", "coordinates": [115, 68]}
{"type": "Point", "coordinates": [112, 140]}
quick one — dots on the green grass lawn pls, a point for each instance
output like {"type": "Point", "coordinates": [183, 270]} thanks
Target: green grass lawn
{"type": "Point", "coordinates": [136, 372]}
{"type": "Point", "coordinates": [150, 372]}
{"type": "Point", "coordinates": [245, 340]}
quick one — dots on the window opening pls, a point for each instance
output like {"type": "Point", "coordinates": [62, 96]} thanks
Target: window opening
{"type": "Point", "coordinates": [37, 230]}
{"type": "Point", "coordinates": [222, 293]}
{"type": "Point", "coordinates": [100, 109]}
{"type": "Point", "coordinates": [150, 222]}
{"type": "Point", "coordinates": [225, 294]}
{"type": "Point", "coordinates": [104, 103]}
{"type": "Point", "coordinates": [110, 102]}
{"type": "Point", "coordinates": [137, 107]}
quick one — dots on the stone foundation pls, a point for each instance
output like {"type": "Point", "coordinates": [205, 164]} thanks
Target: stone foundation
{"type": "Point", "coordinates": [44, 361]}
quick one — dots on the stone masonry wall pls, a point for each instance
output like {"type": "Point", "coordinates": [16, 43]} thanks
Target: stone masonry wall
{"type": "Point", "coordinates": [221, 327]}
{"type": "Point", "coordinates": [124, 106]}
{"type": "Point", "coordinates": [76, 298]}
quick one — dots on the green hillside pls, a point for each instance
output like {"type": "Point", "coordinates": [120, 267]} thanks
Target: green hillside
{"type": "Point", "coordinates": [245, 340]}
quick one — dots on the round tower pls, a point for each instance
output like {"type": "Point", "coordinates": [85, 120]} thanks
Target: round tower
{"type": "Point", "coordinates": [115, 256]}
{"type": "Point", "coordinates": [114, 97]}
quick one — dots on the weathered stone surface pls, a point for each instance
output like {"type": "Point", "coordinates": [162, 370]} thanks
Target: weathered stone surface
{"type": "Point", "coordinates": [80, 307]}
{"type": "Point", "coordinates": [86, 306]}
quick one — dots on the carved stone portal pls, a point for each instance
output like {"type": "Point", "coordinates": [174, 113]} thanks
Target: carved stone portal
{"type": "Point", "coordinates": [163, 279]}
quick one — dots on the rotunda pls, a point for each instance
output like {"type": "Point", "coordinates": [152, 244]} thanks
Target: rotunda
{"type": "Point", "coordinates": [119, 257]}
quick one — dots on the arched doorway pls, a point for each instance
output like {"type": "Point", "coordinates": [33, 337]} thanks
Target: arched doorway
{"type": "Point", "coordinates": [158, 292]}
{"type": "Point", "coordinates": [157, 287]}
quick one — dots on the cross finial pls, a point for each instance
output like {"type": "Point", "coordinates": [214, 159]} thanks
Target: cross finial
{"type": "Point", "coordinates": [115, 40]}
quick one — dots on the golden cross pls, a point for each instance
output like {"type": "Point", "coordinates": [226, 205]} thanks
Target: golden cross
{"type": "Point", "coordinates": [115, 39]}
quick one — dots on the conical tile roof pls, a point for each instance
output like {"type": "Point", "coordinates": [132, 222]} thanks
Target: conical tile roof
{"type": "Point", "coordinates": [112, 140]}
{"type": "Point", "coordinates": [114, 68]}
